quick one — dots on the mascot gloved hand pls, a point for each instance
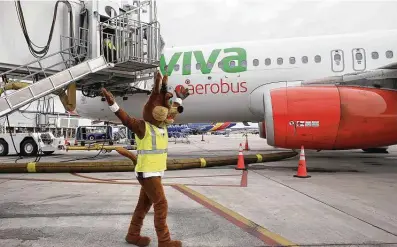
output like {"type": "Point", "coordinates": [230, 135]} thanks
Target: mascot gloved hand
{"type": "Point", "coordinates": [151, 137]}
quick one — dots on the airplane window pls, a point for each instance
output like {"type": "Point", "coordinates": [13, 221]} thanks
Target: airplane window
{"type": "Point", "coordinates": [292, 60]}
{"type": "Point", "coordinates": [232, 64]}
{"type": "Point", "coordinates": [187, 67]}
{"type": "Point", "coordinates": [244, 63]}
{"type": "Point", "coordinates": [389, 54]}
{"type": "Point", "coordinates": [220, 64]}
{"type": "Point", "coordinates": [375, 55]}
{"type": "Point", "coordinates": [255, 62]}
{"type": "Point", "coordinates": [359, 56]}
{"type": "Point", "coordinates": [198, 66]}
{"type": "Point", "coordinates": [317, 58]}
{"type": "Point", "coordinates": [279, 61]}
{"type": "Point", "coordinates": [176, 68]}
{"type": "Point", "coordinates": [209, 65]}
{"type": "Point", "coordinates": [305, 59]}
{"type": "Point", "coordinates": [268, 61]}
{"type": "Point", "coordinates": [337, 57]}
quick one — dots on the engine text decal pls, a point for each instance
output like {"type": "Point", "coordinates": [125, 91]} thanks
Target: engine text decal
{"type": "Point", "coordinates": [302, 123]}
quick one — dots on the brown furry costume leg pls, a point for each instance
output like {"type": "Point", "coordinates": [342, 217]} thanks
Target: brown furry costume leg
{"type": "Point", "coordinates": [134, 231]}
{"type": "Point", "coordinates": [142, 208]}
{"type": "Point", "coordinates": [152, 192]}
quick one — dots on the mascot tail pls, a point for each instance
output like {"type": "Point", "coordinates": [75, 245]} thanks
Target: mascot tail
{"type": "Point", "coordinates": [127, 154]}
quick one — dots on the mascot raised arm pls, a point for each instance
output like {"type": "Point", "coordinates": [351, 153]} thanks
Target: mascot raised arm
{"type": "Point", "coordinates": [151, 137]}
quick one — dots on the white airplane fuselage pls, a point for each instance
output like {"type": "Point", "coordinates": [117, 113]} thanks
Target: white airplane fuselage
{"type": "Point", "coordinates": [225, 94]}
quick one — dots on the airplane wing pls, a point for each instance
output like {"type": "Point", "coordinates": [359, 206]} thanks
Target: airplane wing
{"type": "Point", "coordinates": [389, 66]}
{"type": "Point", "coordinates": [383, 77]}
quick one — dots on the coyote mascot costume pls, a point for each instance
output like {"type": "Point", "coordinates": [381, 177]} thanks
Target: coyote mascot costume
{"type": "Point", "coordinates": [152, 141]}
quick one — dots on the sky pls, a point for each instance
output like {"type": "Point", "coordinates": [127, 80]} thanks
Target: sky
{"type": "Point", "coordinates": [195, 22]}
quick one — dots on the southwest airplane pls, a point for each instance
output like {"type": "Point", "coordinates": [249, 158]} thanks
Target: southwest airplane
{"type": "Point", "coordinates": [199, 128]}
{"type": "Point", "coordinates": [324, 92]}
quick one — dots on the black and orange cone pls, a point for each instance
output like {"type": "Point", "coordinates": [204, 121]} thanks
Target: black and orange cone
{"type": "Point", "coordinates": [302, 172]}
{"type": "Point", "coordinates": [246, 148]}
{"type": "Point", "coordinates": [240, 161]}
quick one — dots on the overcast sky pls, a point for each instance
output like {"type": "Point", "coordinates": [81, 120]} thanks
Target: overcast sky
{"type": "Point", "coordinates": [195, 22]}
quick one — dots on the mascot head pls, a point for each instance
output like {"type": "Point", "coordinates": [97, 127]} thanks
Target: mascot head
{"type": "Point", "coordinates": [163, 106]}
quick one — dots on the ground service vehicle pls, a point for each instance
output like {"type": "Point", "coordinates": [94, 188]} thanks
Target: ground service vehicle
{"type": "Point", "coordinates": [30, 144]}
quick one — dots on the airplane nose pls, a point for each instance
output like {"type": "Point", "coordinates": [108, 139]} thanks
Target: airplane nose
{"type": "Point", "coordinates": [180, 109]}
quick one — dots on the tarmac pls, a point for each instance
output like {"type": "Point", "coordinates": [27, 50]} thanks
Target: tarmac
{"type": "Point", "coordinates": [349, 200]}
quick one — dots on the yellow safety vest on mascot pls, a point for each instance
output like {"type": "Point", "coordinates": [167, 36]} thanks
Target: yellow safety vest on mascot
{"type": "Point", "coordinates": [152, 149]}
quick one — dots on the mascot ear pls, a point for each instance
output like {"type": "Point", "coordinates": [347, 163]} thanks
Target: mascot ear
{"type": "Point", "coordinates": [160, 83]}
{"type": "Point", "coordinates": [181, 92]}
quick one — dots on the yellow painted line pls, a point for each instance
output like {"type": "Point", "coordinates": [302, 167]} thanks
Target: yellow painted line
{"type": "Point", "coordinates": [31, 167]}
{"type": "Point", "coordinates": [259, 160]}
{"type": "Point", "coordinates": [203, 162]}
{"type": "Point", "coordinates": [237, 219]}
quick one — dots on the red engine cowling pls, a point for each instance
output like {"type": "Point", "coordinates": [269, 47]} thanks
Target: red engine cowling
{"type": "Point", "coordinates": [330, 117]}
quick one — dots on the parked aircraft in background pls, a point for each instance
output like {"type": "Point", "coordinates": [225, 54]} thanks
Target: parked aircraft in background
{"type": "Point", "coordinates": [198, 128]}
{"type": "Point", "coordinates": [248, 127]}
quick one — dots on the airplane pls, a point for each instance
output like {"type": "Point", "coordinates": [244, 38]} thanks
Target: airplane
{"type": "Point", "coordinates": [198, 128]}
{"type": "Point", "coordinates": [333, 92]}
{"type": "Point", "coordinates": [252, 128]}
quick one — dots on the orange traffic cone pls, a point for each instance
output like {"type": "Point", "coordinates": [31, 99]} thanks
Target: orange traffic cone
{"type": "Point", "coordinates": [302, 173]}
{"type": "Point", "coordinates": [240, 162]}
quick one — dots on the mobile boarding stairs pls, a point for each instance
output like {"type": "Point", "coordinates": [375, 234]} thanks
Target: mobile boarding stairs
{"type": "Point", "coordinates": [135, 57]}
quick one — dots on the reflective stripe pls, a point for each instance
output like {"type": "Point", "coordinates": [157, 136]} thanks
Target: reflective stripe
{"type": "Point", "coordinates": [153, 134]}
{"type": "Point", "coordinates": [157, 151]}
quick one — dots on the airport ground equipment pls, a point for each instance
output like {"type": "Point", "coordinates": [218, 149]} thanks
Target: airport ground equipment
{"type": "Point", "coordinates": [30, 144]}
{"type": "Point", "coordinates": [94, 134]}
{"type": "Point", "coordinates": [90, 44]}
{"type": "Point", "coordinates": [126, 165]}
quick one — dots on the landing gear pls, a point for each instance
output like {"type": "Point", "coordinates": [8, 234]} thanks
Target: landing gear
{"type": "Point", "coordinates": [376, 150]}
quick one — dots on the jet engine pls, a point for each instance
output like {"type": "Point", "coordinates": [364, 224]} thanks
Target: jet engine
{"type": "Point", "coordinates": [328, 117]}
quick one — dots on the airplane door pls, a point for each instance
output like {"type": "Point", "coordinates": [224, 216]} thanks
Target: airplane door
{"type": "Point", "coordinates": [338, 62]}
{"type": "Point", "coordinates": [358, 59]}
